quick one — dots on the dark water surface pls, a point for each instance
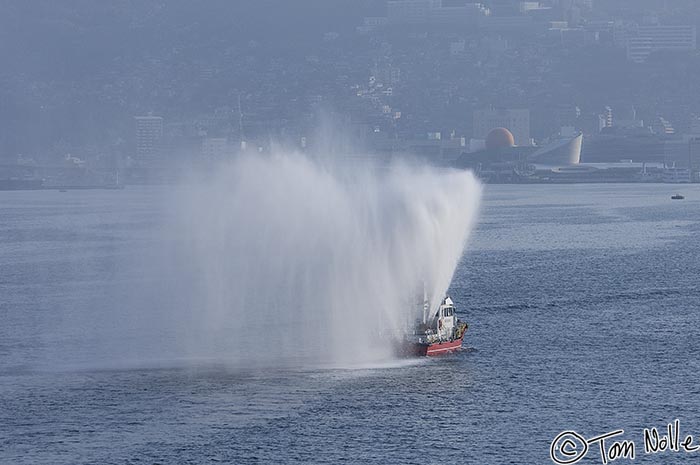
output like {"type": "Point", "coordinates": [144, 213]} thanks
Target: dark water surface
{"type": "Point", "coordinates": [583, 303]}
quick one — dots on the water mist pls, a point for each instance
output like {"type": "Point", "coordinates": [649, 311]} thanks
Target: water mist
{"type": "Point", "coordinates": [286, 260]}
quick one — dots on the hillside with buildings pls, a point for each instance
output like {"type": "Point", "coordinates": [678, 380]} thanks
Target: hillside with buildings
{"type": "Point", "coordinates": [146, 85]}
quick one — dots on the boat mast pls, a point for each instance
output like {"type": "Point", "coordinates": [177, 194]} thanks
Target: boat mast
{"type": "Point", "coordinates": [426, 304]}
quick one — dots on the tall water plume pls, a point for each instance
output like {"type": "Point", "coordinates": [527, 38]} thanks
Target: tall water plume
{"type": "Point", "coordinates": [283, 259]}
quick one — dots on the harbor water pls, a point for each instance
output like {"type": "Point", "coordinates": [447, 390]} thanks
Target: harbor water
{"type": "Point", "coordinates": [583, 303]}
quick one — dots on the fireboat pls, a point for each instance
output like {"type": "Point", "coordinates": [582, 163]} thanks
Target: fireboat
{"type": "Point", "coordinates": [442, 333]}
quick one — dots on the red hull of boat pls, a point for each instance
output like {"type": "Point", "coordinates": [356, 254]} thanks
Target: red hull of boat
{"type": "Point", "coordinates": [438, 348]}
{"type": "Point", "coordinates": [444, 347]}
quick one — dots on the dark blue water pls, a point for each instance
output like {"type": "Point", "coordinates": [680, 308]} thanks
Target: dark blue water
{"type": "Point", "coordinates": [583, 303]}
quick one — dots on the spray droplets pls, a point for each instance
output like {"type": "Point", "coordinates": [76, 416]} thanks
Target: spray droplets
{"type": "Point", "coordinates": [293, 261]}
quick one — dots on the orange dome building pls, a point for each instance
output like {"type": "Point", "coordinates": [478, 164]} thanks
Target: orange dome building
{"type": "Point", "coordinates": [499, 138]}
{"type": "Point", "coordinates": [502, 161]}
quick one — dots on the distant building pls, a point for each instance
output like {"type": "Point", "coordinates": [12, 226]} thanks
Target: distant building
{"type": "Point", "coordinates": [528, 6]}
{"type": "Point", "coordinates": [504, 7]}
{"type": "Point", "coordinates": [622, 31]}
{"type": "Point", "coordinates": [516, 121]}
{"type": "Point", "coordinates": [605, 119]}
{"type": "Point", "coordinates": [468, 14]}
{"type": "Point", "coordinates": [371, 23]}
{"type": "Point", "coordinates": [457, 47]}
{"type": "Point", "coordinates": [501, 161]}
{"type": "Point", "coordinates": [149, 136]}
{"type": "Point", "coordinates": [627, 119]}
{"type": "Point", "coordinates": [661, 125]}
{"type": "Point", "coordinates": [676, 153]}
{"type": "Point", "coordinates": [411, 11]}
{"type": "Point", "coordinates": [563, 151]}
{"type": "Point", "coordinates": [608, 115]}
{"type": "Point", "coordinates": [506, 24]}
{"type": "Point", "coordinates": [215, 148]}
{"type": "Point", "coordinates": [433, 12]}
{"type": "Point", "coordinates": [566, 115]}
{"type": "Point", "coordinates": [639, 145]}
{"type": "Point", "coordinates": [651, 39]}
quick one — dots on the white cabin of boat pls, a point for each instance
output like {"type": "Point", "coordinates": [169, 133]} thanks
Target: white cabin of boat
{"type": "Point", "coordinates": [446, 319]}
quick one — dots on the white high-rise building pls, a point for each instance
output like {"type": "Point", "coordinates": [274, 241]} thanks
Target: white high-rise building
{"type": "Point", "coordinates": [694, 126]}
{"type": "Point", "coordinates": [606, 119]}
{"type": "Point", "coordinates": [149, 135]}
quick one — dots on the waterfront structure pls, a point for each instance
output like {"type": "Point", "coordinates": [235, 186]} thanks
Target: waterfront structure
{"type": "Point", "coordinates": [502, 161]}
{"type": "Point", "coordinates": [694, 159]}
{"type": "Point", "coordinates": [639, 145]}
{"type": "Point", "coordinates": [432, 147]}
{"type": "Point", "coordinates": [561, 152]}
{"type": "Point", "coordinates": [642, 146]}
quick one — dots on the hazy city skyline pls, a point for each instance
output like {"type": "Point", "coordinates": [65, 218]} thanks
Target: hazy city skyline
{"type": "Point", "coordinates": [228, 75]}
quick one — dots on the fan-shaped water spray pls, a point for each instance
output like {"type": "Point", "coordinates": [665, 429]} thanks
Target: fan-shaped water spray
{"type": "Point", "coordinates": [293, 261]}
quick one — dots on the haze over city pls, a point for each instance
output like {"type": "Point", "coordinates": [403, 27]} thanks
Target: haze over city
{"type": "Point", "coordinates": [349, 231]}
{"type": "Point", "coordinates": [423, 77]}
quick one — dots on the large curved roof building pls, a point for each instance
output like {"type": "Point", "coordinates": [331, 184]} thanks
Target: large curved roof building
{"type": "Point", "coordinates": [566, 151]}
{"type": "Point", "coordinates": [502, 159]}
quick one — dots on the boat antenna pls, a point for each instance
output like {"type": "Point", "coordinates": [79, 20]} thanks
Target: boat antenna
{"type": "Point", "coordinates": [240, 123]}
